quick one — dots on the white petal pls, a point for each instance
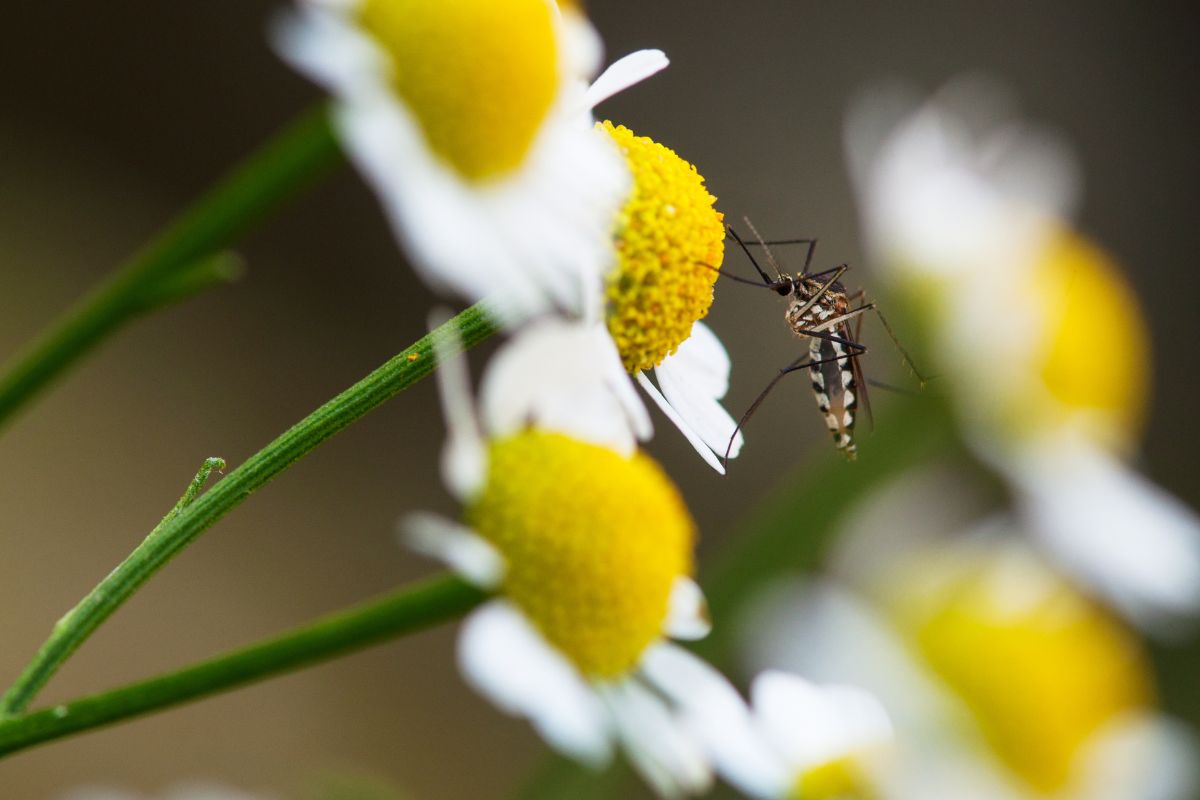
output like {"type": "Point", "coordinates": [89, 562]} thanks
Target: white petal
{"type": "Point", "coordinates": [1123, 535]}
{"type": "Point", "coordinates": [1142, 756]}
{"type": "Point", "coordinates": [457, 546]}
{"type": "Point", "coordinates": [658, 744]}
{"type": "Point", "coordinates": [625, 72]}
{"type": "Point", "coordinates": [566, 377]}
{"type": "Point", "coordinates": [945, 188]}
{"type": "Point", "coordinates": [826, 634]}
{"type": "Point", "coordinates": [535, 240]}
{"type": "Point", "coordinates": [687, 612]}
{"type": "Point", "coordinates": [322, 44]}
{"type": "Point", "coordinates": [719, 717]}
{"type": "Point", "coordinates": [813, 725]}
{"type": "Point", "coordinates": [693, 438]}
{"type": "Point", "coordinates": [504, 658]}
{"type": "Point", "coordinates": [464, 457]}
{"type": "Point", "coordinates": [693, 380]}
{"type": "Point", "coordinates": [583, 49]}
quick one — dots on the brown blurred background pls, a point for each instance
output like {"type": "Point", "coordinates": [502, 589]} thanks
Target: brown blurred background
{"type": "Point", "coordinates": [115, 114]}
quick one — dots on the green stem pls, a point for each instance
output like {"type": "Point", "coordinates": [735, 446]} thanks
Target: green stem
{"type": "Point", "coordinates": [178, 261]}
{"type": "Point", "coordinates": [184, 524]}
{"type": "Point", "coordinates": [66, 636]}
{"type": "Point", "coordinates": [400, 612]}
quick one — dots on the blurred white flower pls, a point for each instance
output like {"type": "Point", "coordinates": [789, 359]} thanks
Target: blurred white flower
{"type": "Point", "coordinates": [1039, 341]}
{"type": "Point", "coordinates": [801, 740]}
{"type": "Point", "coordinates": [471, 120]}
{"type": "Point", "coordinates": [1003, 682]}
{"type": "Point", "coordinates": [589, 552]}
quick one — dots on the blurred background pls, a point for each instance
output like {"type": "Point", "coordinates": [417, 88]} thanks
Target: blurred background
{"type": "Point", "coordinates": [115, 115]}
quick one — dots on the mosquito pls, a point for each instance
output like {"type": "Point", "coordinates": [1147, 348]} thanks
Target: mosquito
{"type": "Point", "coordinates": [820, 310]}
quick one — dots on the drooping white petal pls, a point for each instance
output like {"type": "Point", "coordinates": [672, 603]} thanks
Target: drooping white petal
{"type": "Point", "coordinates": [1123, 535]}
{"type": "Point", "coordinates": [716, 713]}
{"type": "Point", "coordinates": [625, 72]}
{"type": "Point", "coordinates": [694, 379]}
{"type": "Point", "coordinates": [813, 725]}
{"type": "Point", "coordinates": [464, 456]}
{"type": "Point", "coordinates": [457, 546]}
{"type": "Point", "coordinates": [687, 612]}
{"type": "Point", "coordinates": [693, 438]}
{"type": "Point", "coordinates": [566, 377]}
{"type": "Point", "coordinates": [504, 658]}
{"type": "Point", "coordinates": [657, 744]}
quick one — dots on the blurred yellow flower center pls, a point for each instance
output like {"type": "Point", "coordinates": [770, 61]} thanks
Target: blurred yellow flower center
{"type": "Point", "coordinates": [593, 543]}
{"type": "Point", "coordinates": [1040, 667]}
{"type": "Point", "coordinates": [478, 75]}
{"type": "Point", "coordinates": [668, 238]}
{"type": "Point", "coordinates": [1096, 357]}
{"type": "Point", "coordinates": [841, 779]}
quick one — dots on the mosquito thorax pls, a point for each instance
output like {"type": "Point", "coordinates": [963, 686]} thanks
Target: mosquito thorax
{"type": "Point", "coordinates": [804, 313]}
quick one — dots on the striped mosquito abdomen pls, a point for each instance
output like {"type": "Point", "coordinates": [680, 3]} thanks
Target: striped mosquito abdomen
{"type": "Point", "coordinates": [832, 369]}
{"type": "Point", "coordinates": [836, 392]}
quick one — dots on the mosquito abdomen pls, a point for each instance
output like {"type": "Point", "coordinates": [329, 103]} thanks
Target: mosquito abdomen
{"type": "Point", "coordinates": [836, 392]}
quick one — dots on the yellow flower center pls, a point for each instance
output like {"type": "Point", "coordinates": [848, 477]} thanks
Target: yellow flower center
{"type": "Point", "coordinates": [1096, 357]}
{"type": "Point", "coordinates": [841, 779]}
{"type": "Point", "coordinates": [668, 239]}
{"type": "Point", "coordinates": [593, 543]}
{"type": "Point", "coordinates": [478, 75]}
{"type": "Point", "coordinates": [1040, 673]}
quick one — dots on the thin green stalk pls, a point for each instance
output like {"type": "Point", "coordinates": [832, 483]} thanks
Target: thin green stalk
{"type": "Point", "coordinates": [66, 638]}
{"type": "Point", "coordinates": [177, 532]}
{"type": "Point", "coordinates": [403, 611]}
{"type": "Point", "coordinates": [178, 262]}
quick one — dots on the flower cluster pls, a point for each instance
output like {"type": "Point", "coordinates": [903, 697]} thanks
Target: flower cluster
{"type": "Point", "coordinates": [1040, 341]}
{"type": "Point", "coordinates": [597, 250]}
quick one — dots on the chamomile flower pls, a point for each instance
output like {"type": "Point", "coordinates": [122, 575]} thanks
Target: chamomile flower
{"type": "Point", "coordinates": [801, 741]}
{"type": "Point", "coordinates": [470, 119]}
{"type": "Point", "coordinates": [589, 553]}
{"type": "Point", "coordinates": [1003, 682]}
{"type": "Point", "coordinates": [666, 241]}
{"type": "Point", "coordinates": [669, 237]}
{"type": "Point", "coordinates": [1031, 326]}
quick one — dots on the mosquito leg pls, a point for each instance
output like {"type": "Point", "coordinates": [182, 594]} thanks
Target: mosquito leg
{"type": "Point", "coordinates": [762, 243]}
{"type": "Point", "coordinates": [908, 361]}
{"type": "Point", "coordinates": [802, 362]}
{"type": "Point", "coordinates": [856, 348]}
{"type": "Point", "coordinates": [773, 242]}
{"type": "Point", "coordinates": [887, 387]}
{"type": "Point", "coordinates": [921, 379]}
{"type": "Point", "coordinates": [774, 286]}
{"type": "Point", "coordinates": [750, 256]}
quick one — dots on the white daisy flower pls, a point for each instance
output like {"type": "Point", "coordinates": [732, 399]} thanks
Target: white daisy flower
{"type": "Point", "coordinates": [667, 240]}
{"type": "Point", "coordinates": [1003, 682]}
{"type": "Point", "coordinates": [470, 119]}
{"type": "Point", "coordinates": [801, 740]}
{"type": "Point", "coordinates": [1039, 339]}
{"type": "Point", "coordinates": [589, 552]}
